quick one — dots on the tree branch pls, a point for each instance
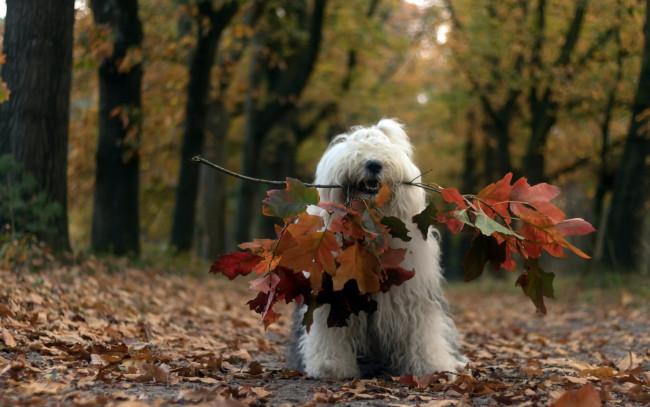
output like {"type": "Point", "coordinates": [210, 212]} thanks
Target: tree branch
{"type": "Point", "coordinates": [199, 159]}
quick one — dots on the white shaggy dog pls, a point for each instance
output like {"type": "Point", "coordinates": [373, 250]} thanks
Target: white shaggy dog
{"type": "Point", "coordinates": [411, 331]}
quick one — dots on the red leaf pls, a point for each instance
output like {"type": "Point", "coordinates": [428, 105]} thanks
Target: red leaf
{"type": "Point", "coordinates": [452, 195]}
{"type": "Point", "coordinates": [523, 192]}
{"type": "Point", "coordinates": [499, 191]}
{"type": "Point", "coordinates": [394, 274]}
{"type": "Point", "coordinates": [292, 286]}
{"type": "Point", "coordinates": [334, 209]}
{"type": "Point", "coordinates": [235, 264]}
{"type": "Point", "coordinates": [575, 226]}
{"type": "Point", "coordinates": [452, 223]}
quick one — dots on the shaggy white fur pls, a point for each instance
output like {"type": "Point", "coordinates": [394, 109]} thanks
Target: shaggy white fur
{"type": "Point", "coordinates": [411, 331]}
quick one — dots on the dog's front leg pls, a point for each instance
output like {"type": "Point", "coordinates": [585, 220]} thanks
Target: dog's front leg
{"type": "Point", "coordinates": [331, 352]}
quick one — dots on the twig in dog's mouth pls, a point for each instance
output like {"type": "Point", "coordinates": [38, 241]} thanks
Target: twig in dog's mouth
{"type": "Point", "coordinates": [369, 186]}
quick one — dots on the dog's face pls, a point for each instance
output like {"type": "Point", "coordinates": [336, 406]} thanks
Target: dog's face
{"type": "Point", "coordinates": [365, 160]}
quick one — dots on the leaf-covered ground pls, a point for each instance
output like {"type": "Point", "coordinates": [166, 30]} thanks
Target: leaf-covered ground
{"type": "Point", "coordinates": [87, 335]}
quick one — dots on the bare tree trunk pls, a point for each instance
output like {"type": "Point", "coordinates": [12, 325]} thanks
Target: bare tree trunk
{"type": "Point", "coordinates": [195, 121]}
{"type": "Point", "coordinates": [115, 226]}
{"type": "Point", "coordinates": [624, 244]}
{"type": "Point", "coordinates": [34, 122]}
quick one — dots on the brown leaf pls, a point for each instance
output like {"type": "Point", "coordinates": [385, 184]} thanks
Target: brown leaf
{"type": "Point", "coordinates": [586, 396]}
{"type": "Point", "coordinates": [6, 311]}
{"type": "Point", "coordinates": [8, 339]}
{"type": "Point", "coordinates": [161, 373]}
{"type": "Point", "coordinates": [357, 263]}
{"type": "Point", "coordinates": [255, 368]}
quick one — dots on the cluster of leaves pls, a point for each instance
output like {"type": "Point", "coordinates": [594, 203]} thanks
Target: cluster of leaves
{"type": "Point", "coordinates": [513, 219]}
{"type": "Point", "coordinates": [339, 259]}
{"type": "Point", "coordinates": [343, 258]}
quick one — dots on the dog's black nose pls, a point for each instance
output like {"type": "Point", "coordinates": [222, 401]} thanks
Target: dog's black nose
{"type": "Point", "coordinates": [374, 166]}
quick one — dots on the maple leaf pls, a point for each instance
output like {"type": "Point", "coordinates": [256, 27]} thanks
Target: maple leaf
{"type": "Point", "coordinates": [452, 195]}
{"type": "Point", "coordinates": [351, 225]}
{"type": "Point", "coordinates": [356, 263]}
{"type": "Point", "coordinates": [394, 274]}
{"type": "Point", "coordinates": [235, 264]}
{"type": "Point", "coordinates": [483, 249]}
{"type": "Point", "coordinates": [293, 286]}
{"type": "Point", "coordinates": [289, 202]}
{"type": "Point", "coordinates": [396, 227]}
{"type": "Point", "coordinates": [314, 250]}
{"type": "Point", "coordinates": [264, 301]}
{"type": "Point", "coordinates": [425, 219]}
{"type": "Point", "coordinates": [536, 284]}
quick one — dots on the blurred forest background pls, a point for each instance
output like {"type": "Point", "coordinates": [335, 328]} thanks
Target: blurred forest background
{"type": "Point", "coordinates": [109, 100]}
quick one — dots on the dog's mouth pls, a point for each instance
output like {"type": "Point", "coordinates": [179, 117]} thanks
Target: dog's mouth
{"type": "Point", "coordinates": [369, 186]}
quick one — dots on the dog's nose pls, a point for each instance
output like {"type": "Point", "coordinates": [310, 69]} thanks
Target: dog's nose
{"type": "Point", "coordinates": [374, 166]}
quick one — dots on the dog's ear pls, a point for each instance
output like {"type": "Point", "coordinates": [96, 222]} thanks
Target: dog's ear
{"type": "Point", "coordinates": [395, 132]}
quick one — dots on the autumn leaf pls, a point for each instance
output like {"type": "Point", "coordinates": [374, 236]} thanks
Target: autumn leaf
{"type": "Point", "coordinates": [586, 396]}
{"type": "Point", "coordinates": [394, 274]}
{"type": "Point", "coordinates": [536, 284]}
{"type": "Point", "coordinates": [483, 249]}
{"type": "Point", "coordinates": [489, 226]}
{"type": "Point", "coordinates": [289, 202]}
{"type": "Point", "coordinates": [396, 227]}
{"type": "Point", "coordinates": [382, 196]}
{"type": "Point", "coordinates": [314, 253]}
{"type": "Point", "coordinates": [452, 195]}
{"type": "Point", "coordinates": [235, 264]}
{"type": "Point", "coordinates": [425, 219]}
{"type": "Point", "coordinates": [356, 263]}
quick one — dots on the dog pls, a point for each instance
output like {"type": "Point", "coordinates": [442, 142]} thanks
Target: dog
{"type": "Point", "coordinates": [411, 331]}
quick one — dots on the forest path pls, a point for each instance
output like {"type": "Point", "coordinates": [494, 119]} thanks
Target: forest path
{"type": "Point", "coordinates": [84, 336]}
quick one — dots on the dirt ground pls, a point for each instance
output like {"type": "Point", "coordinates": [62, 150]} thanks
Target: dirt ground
{"type": "Point", "coordinates": [92, 335]}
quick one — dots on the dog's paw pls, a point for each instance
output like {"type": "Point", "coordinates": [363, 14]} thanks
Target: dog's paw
{"type": "Point", "coordinates": [332, 369]}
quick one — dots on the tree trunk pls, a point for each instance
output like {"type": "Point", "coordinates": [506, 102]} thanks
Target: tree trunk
{"type": "Point", "coordinates": [212, 206]}
{"type": "Point", "coordinates": [115, 225]}
{"type": "Point", "coordinates": [285, 85]}
{"type": "Point", "coordinates": [251, 144]}
{"type": "Point", "coordinates": [195, 120]}
{"type": "Point", "coordinates": [34, 122]}
{"type": "Point", "coordinates": [624, 237]}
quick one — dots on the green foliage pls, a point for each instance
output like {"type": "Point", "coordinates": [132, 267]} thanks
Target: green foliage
{"type": "Point", "coordinates": [23, 208]}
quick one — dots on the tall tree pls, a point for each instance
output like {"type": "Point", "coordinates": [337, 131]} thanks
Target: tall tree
{"type": "Point", "coordinates": [211, 222]}
{"type": "Point", "coordinates": [115, 225]}
{"type": "Point", "coordinates": [34, 122]}
{"type": "Point", "coordinates": [519, 58]}
{"type": "Point", "coordinates": [284, 77]}
{"type": "Point", "coordinates": [624, 243]}
{"type": "Point", "coordinates": [211, 23]}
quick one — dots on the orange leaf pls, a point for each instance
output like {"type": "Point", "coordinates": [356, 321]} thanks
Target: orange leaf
{"type": "Point", "coordinates": [357, 263]}
{"type": "Point", "coordinates": [382, 196]}
{"type": "Point", "coordinates": [586, 396]}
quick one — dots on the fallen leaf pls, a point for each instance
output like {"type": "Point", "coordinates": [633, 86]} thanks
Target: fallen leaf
{"type": "Point", "coordinates": [586, 396]}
